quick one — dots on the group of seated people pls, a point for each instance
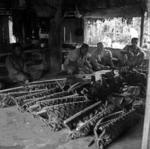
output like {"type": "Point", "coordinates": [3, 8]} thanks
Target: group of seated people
{"type": "Point", "coordinates": [78, 61]}
{"type": "Point", "coordinates": [19, 72]}
{"type": "Point", "coordinates": [81, 61]}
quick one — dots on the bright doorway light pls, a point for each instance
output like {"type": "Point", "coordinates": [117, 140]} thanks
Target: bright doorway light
{"type": "Point", "coordinates": [12, 38]}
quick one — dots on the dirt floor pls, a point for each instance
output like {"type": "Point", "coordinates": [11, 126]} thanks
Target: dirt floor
{"type": "Point", "coordinates": [22, 131]}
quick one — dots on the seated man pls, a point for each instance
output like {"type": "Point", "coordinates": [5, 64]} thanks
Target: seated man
{"type": "Point", "coordinates": [15, 65]}
{"type": "Point", "coordinates": [77, 61]}
{"type": "Point", "coordinates": [101, 58]}
{"type": "Point", "coordinates": [133, 55]}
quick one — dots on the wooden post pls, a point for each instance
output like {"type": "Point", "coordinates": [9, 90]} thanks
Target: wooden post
{"type": "Point", "coordinates": [142, 28]}
{"type": "Point", "coordinates": [146, 128]}
{"type": "Point", "coordinates": [55, 41]}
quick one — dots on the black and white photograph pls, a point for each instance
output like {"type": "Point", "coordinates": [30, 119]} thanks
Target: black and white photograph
{"type": "Point", "coordinates": [74, 74]}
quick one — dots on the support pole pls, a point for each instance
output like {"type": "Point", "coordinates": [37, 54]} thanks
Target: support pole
{"type": "Point", "coordinates": [146, 128]}
{"type": "Point", "coordinates": [142, 29]}
{"type": "Point", "coordinates": [55, 40]}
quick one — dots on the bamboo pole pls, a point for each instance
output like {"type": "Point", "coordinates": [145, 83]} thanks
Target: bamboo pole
{"type": "Point", "coordinates": [146, 128]}
{"type": "Point", "coordinates": [142, 28]}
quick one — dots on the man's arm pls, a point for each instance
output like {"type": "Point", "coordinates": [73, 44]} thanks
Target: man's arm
{"type": "Point", "coordinates": [124, 53]}
{"type": "Point", "coordinates": [70, 64]}
{"type": "Point", "coordinates": [125, 50]}
{"type": "Point", "coordinates": [110, 59]}
{"type": "Point", "coordinates": [9, 66]}
{"type": "Point", "coordinates": [88, 60]}
{"type": "Point", "coordinates": [139, 58]}
{"type": "Point", "coordinates": [95, 64]}
{"type": "Point", "coordinates": [68, 58]}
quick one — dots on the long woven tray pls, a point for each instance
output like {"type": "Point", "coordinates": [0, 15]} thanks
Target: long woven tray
{"type": "Point", "coordinates": [32, 96]}
{"type": "Point", "coordinates": [7, 95]}
{"type": "Point", "coordinates": [55, 101]}
{"type": "Point", "coordinates": [48, 97]}
{"type": "Point", "coordinates": [31, 87]}
{"type": "Point", "coordinates": [55, 115]}
{"type": "Point", "coordinates": [112, 126]}
{"type": "Point", "coordinates": [82, 124]}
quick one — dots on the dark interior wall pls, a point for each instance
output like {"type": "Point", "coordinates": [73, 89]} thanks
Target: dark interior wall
{"type": "Point", "coordinates": [5, 3]}
{"type": "Point", "coordinates": [24, 22]}
{"type": "Point", "coordinates": [72, 30]}
{"type": "Point", "coordinates": [89, 5]}
{"type": "Point", "coordinates": [9, 4]}
{"type": "Point", "coordinates": [4, 30]}
{"type": "Point", "coordinates": [148, 6]}
{"type": "Point", "coordinates": [4, 34]}
{"type": "Point", "coordinates": [126, 11]}
{"type": "Point", "coordinates": [55, 40]}
{"type": "Point", "coordinates": [54, 10]}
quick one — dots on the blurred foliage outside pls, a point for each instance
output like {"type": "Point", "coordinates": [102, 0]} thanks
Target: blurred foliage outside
{"type": "Point", "coordinates": [115, 32]}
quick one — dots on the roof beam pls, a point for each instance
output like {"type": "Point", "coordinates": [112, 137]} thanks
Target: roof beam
{"type": "Point", "coordinates": [127, 11]}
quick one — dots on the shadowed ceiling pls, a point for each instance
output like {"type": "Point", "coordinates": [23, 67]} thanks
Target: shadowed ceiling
{"type": "Point", "coordinates": [49, 7]}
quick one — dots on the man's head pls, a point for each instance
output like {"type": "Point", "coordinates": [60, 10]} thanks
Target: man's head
{"type": "Point", "coordinates": [84, 49]}
{"type": "Point", "coordinates": [17, 49]}
{"type": "Point", "coordinates": [100, 46]}
{"type": "Point", "coordinates": [134, 42]}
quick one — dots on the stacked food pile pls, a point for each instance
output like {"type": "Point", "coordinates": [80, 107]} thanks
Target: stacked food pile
{"type": "Point", "coordinates": [105, 106]}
